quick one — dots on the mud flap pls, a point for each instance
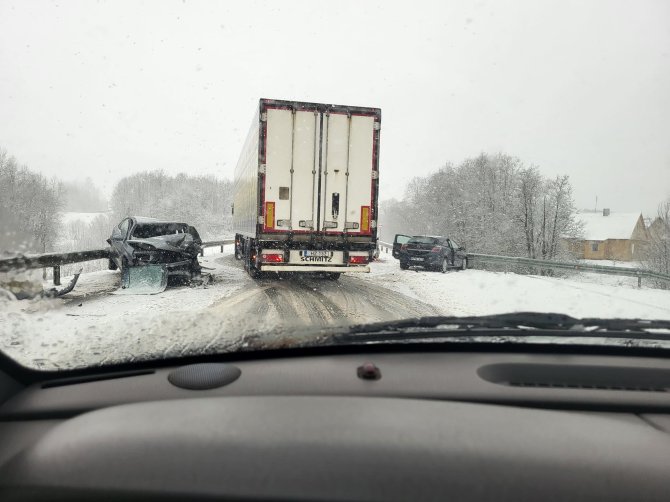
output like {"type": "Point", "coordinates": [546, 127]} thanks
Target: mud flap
{"type": "Point", "coordinates": [143, 280]}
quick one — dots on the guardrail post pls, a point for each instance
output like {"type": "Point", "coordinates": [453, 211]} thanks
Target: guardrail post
{"type": "Point", "coordinates": [639, 281]}
{"type": "Point", "coordinates": [222, 248]}
{"type": "Point", "coordinates": [57, 275]}
{"type": "Point", "coordinates": [202, 251]}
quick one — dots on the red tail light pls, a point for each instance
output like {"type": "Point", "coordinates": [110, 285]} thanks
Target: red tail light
{"type": "Point", "coordinates": [358, 260]}
{"type": "Point", "coordinates": [436, 249]}
{"type": "Point", "coordinates": [272, 258]}
{"type": "Point", "coordinates": [403, 247]}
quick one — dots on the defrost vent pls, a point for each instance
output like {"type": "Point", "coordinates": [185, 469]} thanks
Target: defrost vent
{"type": "Point", "coordinates": [577, 376]}
{"type": "Point", "coordinates": [563, 385]}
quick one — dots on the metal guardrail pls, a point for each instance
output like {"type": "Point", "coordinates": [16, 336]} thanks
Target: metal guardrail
{"type": "Point", "coordinates": [384, 246]}
{"type": "Point", "coordinates": [555, 265]}
{"type": "Point", "coordinates": [575, 267]}
{"type": "Point", "coordinates": [213, 244]}
{"type": "Point", "coordinates": [56, 260]}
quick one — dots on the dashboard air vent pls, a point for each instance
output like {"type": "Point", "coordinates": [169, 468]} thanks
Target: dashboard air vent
{"type": "Point", "coordinates": [572, 376]}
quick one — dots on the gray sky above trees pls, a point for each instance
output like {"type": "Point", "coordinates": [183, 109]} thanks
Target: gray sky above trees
{"type": "Point", "coordinates": [106, 89]}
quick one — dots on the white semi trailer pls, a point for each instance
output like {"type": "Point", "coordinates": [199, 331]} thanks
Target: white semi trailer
{"type": "Point", "coordinates": [306, 189]}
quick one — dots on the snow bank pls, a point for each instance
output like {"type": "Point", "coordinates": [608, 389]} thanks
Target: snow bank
{"type": "Point", "coordinates": [479, 292]}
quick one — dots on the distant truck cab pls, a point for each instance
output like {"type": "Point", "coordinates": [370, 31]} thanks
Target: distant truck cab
{"type": "Point", "coordinates": [306, 189]}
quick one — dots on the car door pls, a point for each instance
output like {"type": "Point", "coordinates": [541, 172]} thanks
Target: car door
{"type": "Point", "coordinates": [398, 241]}
{"type": "Point", "coordinates": [459, 254]}
{"type": "Point", "coordinates": [450, 252]}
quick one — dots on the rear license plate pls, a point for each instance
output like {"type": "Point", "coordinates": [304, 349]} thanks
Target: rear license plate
{"type": "Point", "coordinates": [416, 259]}
{"type": "Point", "coordinates": [316, 257]}
{"type": "Point", "coordinates": [317, 253]}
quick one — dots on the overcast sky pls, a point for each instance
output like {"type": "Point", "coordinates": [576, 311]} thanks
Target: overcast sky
{"type": "Point", "coordinates": [105, 89]}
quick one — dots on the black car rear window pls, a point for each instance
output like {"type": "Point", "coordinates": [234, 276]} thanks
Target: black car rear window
{"type": "Point", "coordinates": [422, 240]}
{"type": "Point", "coordinates": [145, 231]}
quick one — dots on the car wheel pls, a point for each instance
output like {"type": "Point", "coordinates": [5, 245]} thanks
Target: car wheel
{"type": "Point", "coordinates": [404, 266]}
{"type": "Point", "coordinates": [112, 265]}
{"type": "Point", "coordinates": [445, 266]}
{"type": "Point", "coordinates": [464, 264]}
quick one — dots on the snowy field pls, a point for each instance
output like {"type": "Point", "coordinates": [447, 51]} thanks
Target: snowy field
{"type": "Point", "coordinates": [93, 325]}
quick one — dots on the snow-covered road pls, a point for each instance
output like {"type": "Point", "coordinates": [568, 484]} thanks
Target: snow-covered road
{"type": "Point", "coordinates": [93, 326]}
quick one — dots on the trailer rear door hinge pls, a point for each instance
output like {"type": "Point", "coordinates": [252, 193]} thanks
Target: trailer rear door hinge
{"type": "Point", "coordinates": [377, 126]}
{"type": "Point", "coordinates": [264, 117]}
{"type": "Point", "coordinates": [261, 169]}
{"type": "Point", "coordinates": [373, 224]}
{"type": "Point", "coordinates": [375, 175]}
{"type": "Point", "coordinates": [261, 220]}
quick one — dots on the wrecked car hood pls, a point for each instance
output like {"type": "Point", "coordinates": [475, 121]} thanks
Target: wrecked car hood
{"type": "Point", "coordinates": [177, 243]}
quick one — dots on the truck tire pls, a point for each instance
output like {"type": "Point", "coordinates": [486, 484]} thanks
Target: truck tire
{"type": "Point", "coordinates": [404, 266]}
{"type": "Point", "coordinates": [333, 276]}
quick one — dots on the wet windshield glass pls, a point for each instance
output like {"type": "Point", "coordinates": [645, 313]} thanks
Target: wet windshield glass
{"type": "Point", "coordinates": [185, 178]}
{"type": "Point", "coordinates": [423, 240]}
{"type": "Point", "coordinates": [143, 231]}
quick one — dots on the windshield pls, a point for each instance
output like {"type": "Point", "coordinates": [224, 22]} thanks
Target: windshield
{"type": "Point", "coordinates": [423, 240]}
{"type": "Point", "coordinates": [144, 231]}
{"type": "Point", "coordinates": [293, 141]}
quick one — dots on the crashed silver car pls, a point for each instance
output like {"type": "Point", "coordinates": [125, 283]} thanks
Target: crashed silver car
{"type": "Point", "coordinates": [150, 251]}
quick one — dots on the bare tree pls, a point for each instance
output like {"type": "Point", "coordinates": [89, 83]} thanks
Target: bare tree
{"type": "Point", "coordinates": [33, 203]}
{"type": "Point", "coordinates": [202, 201]}
{"type": "Point", "coordinates": [491, 203]}
{"type": "Point", "coordinates": [657, 254]}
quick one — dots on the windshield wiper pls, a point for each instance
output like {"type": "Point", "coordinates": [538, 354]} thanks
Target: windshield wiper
{"type": "Point", "coordinates": [520, 324]}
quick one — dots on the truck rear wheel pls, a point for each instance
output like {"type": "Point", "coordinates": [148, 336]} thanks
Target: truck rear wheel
{"type": "Point", "coordinates": [333, 276]}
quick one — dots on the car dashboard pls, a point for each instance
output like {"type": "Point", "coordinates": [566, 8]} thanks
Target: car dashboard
{"type": "Point", "coordinates": [375, 424]}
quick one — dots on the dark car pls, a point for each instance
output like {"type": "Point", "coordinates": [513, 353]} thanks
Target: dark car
{"type": "Point", "coordinates": [138, 241]}
{"type": "Point", "coordinates": [433, 253]}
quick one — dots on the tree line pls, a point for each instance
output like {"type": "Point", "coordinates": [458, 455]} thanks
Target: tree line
{"type": "Point", "coordinates": [29, 205]}
{"type": "Point", "coordinates": [202, 201]}
{"type": "Point", "coordinates": [491, 204]}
